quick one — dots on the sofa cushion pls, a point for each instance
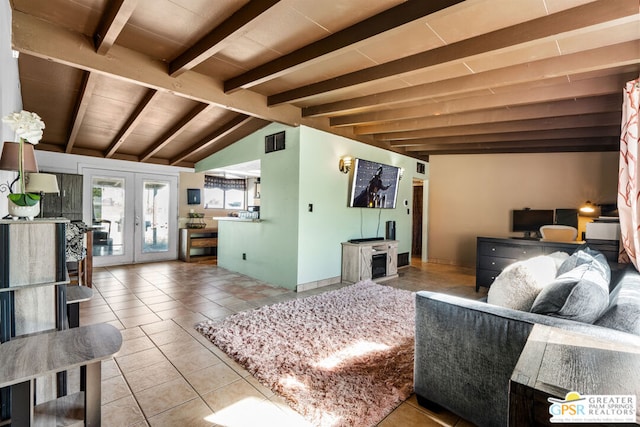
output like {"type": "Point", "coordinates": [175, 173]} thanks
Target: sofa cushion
{"type": "Point", "coordinates": [623, 312]}
{"type": "Point", "coordinates": [581, 293]}
{"type": "Point", "coordinates": [519, 283]}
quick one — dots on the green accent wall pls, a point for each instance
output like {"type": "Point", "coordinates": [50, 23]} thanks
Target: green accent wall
{"type": "Point", "coordinates": [292, 246]}
{"type": "Point", "coordinates": [332, 222]}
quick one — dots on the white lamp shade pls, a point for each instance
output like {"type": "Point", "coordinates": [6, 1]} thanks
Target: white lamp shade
{"type": "Point", "coordinates": [42, 183]}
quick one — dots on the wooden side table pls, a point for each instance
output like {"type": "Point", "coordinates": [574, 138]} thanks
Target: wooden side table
{"type": "Point", "coordinates": [556, 361]}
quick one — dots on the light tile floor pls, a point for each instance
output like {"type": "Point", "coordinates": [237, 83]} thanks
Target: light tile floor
{"type": "Point", "coordinates": [167, 374]}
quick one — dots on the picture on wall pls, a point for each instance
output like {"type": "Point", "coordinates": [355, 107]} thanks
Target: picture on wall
{"type": "Point", "coordinates": [193, 196]}
{"type": "Point", "coordinates": [374, 185]}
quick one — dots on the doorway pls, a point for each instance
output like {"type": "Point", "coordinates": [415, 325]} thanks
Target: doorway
{"type": "Point", "coordinates": [416, 238]}
{"type": "Point", "coordinates": [420, 220]}
{"type": "Point", "coordinates": [133, 216]}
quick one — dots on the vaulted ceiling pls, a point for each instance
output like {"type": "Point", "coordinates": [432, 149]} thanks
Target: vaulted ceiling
{"type": "Point", "coordinates": [174, 81]}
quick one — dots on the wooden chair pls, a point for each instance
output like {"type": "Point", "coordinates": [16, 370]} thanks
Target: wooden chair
{"type": "Point", "coordinates": [76, 252]}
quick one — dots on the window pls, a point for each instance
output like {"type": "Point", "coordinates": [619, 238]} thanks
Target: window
{"type": "Point", "coordinates": [223, 193]}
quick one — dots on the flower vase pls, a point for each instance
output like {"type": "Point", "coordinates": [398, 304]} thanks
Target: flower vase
{"type": "Point", "coordinates": [28, 212]}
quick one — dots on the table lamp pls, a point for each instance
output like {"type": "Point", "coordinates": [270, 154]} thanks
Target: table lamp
{"type": "Point", "coordinates": [10, 160]}
{"type": "Point", "coordinates": [42, 183]}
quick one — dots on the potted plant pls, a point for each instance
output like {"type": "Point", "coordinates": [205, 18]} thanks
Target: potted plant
{"type": "Point", "coordinates": [28, 127]}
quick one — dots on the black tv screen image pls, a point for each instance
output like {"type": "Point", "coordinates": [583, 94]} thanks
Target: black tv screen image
{"type": "Point", "coordinates": [530, 220]}
{"type": "Point", "coordinates": [374, 185]}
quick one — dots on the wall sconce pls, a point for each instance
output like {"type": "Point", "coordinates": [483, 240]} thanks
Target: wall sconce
{"type": "Point", "coordinates": [345, 164]}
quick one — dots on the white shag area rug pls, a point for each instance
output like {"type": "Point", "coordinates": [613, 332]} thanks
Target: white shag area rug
{"type": "Point", "coordinates": [341, 358]}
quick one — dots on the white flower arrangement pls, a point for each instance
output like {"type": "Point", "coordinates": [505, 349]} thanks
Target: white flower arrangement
{"type": "Point", "coordinates": [28, 126]}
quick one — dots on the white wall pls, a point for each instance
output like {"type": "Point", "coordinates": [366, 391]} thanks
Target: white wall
{"type": "Point", "coordinates": [473, 195]}
{"type": "Point", "coordinates": [10, 97]}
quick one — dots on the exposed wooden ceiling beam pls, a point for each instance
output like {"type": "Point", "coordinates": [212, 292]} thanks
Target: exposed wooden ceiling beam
{"type": "Point", "coordinates": [113, 21]}
{"type": "Point", "coordinates": [586, 120]}
{"type": "Point", "coordinates": [61, 45]}
{"type": "Point", "coordinates": [567, 106]}
{"type": "Point", "coordinates": [564, 23]}
{"type": "Point", "coordinates": [84, 98]}
{"type": "Point", "coordinates": [213, 42]}
{"type": "Point", "coordinates": [591, 132]}
{"type": "Point", "coordinates": [543, 146]}
{"type": "Point", "coordinates": [334, 44]}
{"type": "Point", "coordinates": [581, 62]}
{"type": "Point", "coordinates": [232, 125]}
{"type": "Point", "coordinates": [582, 88]}
{"type": "Point", "coordinates": [248, 128]}
{"type": "Point", "coordinates": [132, 122]}
{"type": "Point", "coordinates": [175, 131]}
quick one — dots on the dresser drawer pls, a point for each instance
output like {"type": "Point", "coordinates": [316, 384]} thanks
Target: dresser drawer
{"type": "Point", "coordinates": [494, 263]}
{"type": "Point", "coordinates": [515, 252]}
{"type": "Point", "coordinates": [485, 277]}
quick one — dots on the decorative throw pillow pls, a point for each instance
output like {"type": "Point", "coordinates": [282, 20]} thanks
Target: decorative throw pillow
{"type": "Point", "coordinates": [559, 258]}
{"type": "Point", "coordinates": [519, 283]}
{"type": "Point", "coordinates": [623, 312]}
{"type": "Point", "coordinates": [581, 294]}
{"type": "Point", "coordinates": [584, 255]}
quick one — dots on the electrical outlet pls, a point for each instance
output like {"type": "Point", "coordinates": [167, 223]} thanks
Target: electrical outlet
{"type": "Point", "coordinates": [244, 256]}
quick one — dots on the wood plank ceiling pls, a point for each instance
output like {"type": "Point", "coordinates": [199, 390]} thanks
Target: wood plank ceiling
{"type": "Point", "coordinates": [174, 81]}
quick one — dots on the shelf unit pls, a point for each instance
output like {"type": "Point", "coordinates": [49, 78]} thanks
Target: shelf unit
{"type": "Point", "coordinates": [359, 259]}
{"type": "Point", "coordinates": [37, 347]}
{"type": "Point", "coordinates": [198, 244]}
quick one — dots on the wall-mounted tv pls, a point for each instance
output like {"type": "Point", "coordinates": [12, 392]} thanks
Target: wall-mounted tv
{"type": "Point", "coordinates": [374, 185]}
{"type": "Point", "coordinates": [529, 221]}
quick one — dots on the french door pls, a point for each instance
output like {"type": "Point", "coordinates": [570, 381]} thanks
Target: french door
{"type": "Point", "coordinates": [133, 216]}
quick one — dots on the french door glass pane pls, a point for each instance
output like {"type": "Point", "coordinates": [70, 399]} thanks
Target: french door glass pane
{"type": "Point", "coordinates": [108, 215]}
{"type": "Point", "coordinates": [155, 206]}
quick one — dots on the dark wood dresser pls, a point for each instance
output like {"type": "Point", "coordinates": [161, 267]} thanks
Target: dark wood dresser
{"type": "Point", "coordinates": [493, 254]}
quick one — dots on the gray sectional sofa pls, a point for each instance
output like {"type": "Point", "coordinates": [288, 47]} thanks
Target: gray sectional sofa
{"type": "Point", "coordinates": [466, 350]}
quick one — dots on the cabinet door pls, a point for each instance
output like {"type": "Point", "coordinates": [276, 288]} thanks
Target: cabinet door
{"type": "Point", "coordinates": [71, 193]}
{"type": "Point", "coordinates": [392, 260]}
{"type": "Point", "coordinates": [365, 262]}
{"type": "Point", "coordinates": [51, 204]}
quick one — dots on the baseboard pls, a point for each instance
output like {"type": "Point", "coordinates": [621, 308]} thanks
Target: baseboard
{"type": "Point", "coordinates": [317, 284]}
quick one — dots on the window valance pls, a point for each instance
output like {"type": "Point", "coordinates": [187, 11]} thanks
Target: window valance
{"type": "Point", "coordinates": [224, 183]}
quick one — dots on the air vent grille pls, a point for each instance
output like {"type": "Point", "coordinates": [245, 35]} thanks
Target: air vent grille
{"type": "Point", "coordinates": [274, 142]}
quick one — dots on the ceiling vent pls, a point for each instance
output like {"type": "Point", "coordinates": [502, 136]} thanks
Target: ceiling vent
{"type": "Point", "coordinates": [274, 142]}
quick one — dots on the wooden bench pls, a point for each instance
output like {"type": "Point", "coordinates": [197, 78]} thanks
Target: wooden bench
{"type": "Point", "coordinates": [24, 359]}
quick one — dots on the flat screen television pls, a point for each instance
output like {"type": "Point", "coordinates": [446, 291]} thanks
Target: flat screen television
{"type": "Point", "coordinates": [529, 221]}
{"type": "Point", "coordinates": [374, 185]}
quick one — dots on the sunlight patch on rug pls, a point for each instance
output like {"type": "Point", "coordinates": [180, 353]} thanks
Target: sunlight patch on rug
{"type": "Point", "coordinates": [341, 358]}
